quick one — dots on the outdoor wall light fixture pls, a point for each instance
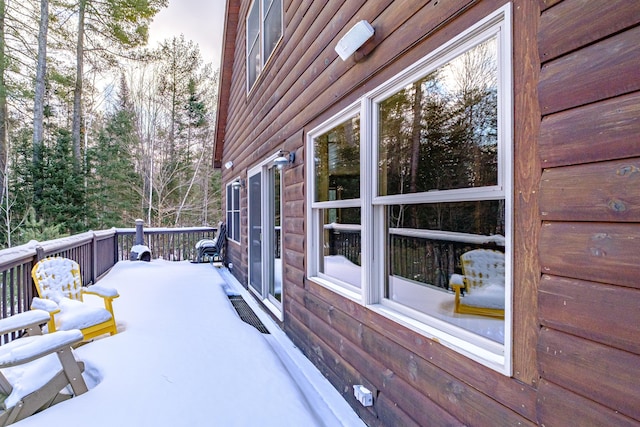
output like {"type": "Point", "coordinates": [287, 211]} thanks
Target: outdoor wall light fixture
{"type": "Point", "coordinates": [284, 158]}
{"type": "Point", "coordinates": [355, 37]}
{"type": "Point", "coordinates": [228, 165]}
{"type": "Point", "coordinates": [238, 183]}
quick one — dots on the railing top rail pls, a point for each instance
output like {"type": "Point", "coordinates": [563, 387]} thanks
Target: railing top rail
{"type": "Point", "coordinates": [11, 257]}
{"type": "Point", "coordinates": [66, 242]}
{"type": "Point", "coordinates": [105, 233]}
{"type": "Point", "coordinates": [343, 227]}
{"type": "Point", "coordinates": [452, 236]}
{"type": "Point", "coordinates": [17, 255]}
{"type": "Point", "coordinates": [162, 230]}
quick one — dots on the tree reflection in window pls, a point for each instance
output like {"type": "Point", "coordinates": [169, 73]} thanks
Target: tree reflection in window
{"type": "Point", "coordinates": [440, 133]}
{"type": "Point", "coordinates": [337, 162]}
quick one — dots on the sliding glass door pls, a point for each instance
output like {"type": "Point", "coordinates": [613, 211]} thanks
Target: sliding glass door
{"type": "Point", "coordinates": [265, 234]}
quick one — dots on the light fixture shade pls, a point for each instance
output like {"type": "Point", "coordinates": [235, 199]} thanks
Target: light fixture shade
{"type": "Point", "coordinates": [284, 158]}
{"type": "Point", "coordinates": [228, 165]}
{"type": "Point", "coordinates": [281, 162]}
{"type": "Point", "coordinates": [355, 37]}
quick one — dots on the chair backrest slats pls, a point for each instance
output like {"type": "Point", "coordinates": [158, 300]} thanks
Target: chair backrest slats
{"type": "Point", "coordinates": [483, 266]}
{"type": "Point", "coordinates": [58, 277]}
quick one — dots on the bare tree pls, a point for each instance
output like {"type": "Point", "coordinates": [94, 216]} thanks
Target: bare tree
{"type": "Point", "coordinates": [113, 26]}
{"type": "Point", "coordinates": [3, 109]}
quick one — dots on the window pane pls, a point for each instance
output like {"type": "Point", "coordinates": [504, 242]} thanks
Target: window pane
{"type": "Point", "coordinates": [228, 197]}
{"type": "Point", "coordinates": [424, 246]}
{"type": "Point", "coordinates": [236, 198]}
{"type": "Point", "coordinates": [236, 226]}
{"type": "Point", "coordinates": [254, 63]}
{"type": "Point", "coordinates": [440, 133]}
{"type": "Point", "coordinates": [253, 23]}
{"type": "Point", "coordinates": [341, 244]}
{"type": "Point", "coordinates": [272, 25]}
{"type": "Point", "coordinates": [337, 158]}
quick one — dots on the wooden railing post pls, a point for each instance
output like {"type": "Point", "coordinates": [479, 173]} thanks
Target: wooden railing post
{"type": "Point", "coordinates": [39, 253]}
{"type": "Point", "coordinates": [94, 258]}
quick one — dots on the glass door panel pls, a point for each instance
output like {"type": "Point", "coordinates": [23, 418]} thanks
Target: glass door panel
{"type": "Point", "coordinates": [255, 232]}
{"type": "Point", "coordinates": [274, 257]}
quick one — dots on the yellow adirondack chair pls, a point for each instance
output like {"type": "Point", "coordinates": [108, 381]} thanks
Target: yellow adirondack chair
{"type": "Point", "coordinates": [483, 283]}
{"type": "Point", "coordinates": [32, 378]}
{"type": "Point", "coordinates": [59, 286]}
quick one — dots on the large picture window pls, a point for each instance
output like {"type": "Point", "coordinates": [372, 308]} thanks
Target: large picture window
{"type": "Point", "coordinates": [264, 31]}
{"type": "Point", "coordinates": [233, 212]}
{"type": "Point", "coordinates": [415, 221]}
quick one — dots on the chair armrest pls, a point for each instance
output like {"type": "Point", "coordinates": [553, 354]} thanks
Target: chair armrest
{"type": "Point", "coordinates": [27, 349]}
{"type": "Point", "coordinates": [101, 291]}
{"type": "Point", "coordinates": [44, 304]}
{"type": "Point", "coordinates": [107, 295]}
{"type": "Point", "coordinates": [21, 321]}
{"type": "Point", "coordinates": [456, 282]}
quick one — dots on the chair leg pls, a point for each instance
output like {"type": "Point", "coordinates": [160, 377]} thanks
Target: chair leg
{"type": "Point", "coordinates": [37, 400]}
{"type": "Point", "coordinates": [5, 387]}
{"type": "Point", "coordinates": [72, 370]}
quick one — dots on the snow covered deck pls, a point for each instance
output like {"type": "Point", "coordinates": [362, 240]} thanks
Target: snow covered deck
{"type": "Point", "coordinates": [183, 357]}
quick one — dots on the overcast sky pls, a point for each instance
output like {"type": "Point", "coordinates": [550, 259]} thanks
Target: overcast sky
{"type": "Point", "coordinates": [199, 20]}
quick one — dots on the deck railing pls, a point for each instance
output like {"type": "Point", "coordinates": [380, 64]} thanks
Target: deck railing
{"type": "Point", "coordinates": [95, 252]}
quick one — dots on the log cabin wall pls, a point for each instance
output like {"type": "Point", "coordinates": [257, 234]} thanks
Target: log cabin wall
{"type": "Point", "coordinates": [589, 293]}
{"type": "Point", "coordinates": [587, 247]}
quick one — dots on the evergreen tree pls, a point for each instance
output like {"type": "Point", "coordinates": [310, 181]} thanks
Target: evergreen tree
{"type": "Point", "coordinates": [38, 230]}
{"type": "Point", "coordinates": [19, 197]}
{"type": "Point", "coordinates": [114, 185]}
{"type": "Point", "coordinates": [62, 199]}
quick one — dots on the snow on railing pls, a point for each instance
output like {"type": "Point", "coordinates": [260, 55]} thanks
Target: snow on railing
{"type": "Point", "coordinates": [451, 236]}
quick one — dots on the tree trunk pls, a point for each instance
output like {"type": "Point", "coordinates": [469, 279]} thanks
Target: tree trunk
{"type": "Point", "coordinates": [38, 101]}
{"type": "Point", "coordinates": [77, 96]}
{"type": "Point", "coordinates": [415, 148]}
{"type": "Point", "coordinates": [3, 103]}
{"type": "Point", "coordinates": [415, 137]}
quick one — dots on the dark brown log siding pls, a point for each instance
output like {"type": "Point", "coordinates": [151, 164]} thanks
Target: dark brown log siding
{"type": "Point", "coordinates": [589, 295]}
{"type": "Point", "coordinates": [576, 119]}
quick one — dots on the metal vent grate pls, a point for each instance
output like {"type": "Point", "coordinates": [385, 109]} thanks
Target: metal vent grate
{"type": "Point", "coordinates": [246, 314]}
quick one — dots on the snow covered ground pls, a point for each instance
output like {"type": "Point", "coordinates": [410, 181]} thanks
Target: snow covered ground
{"type": "Point", "coordinates": [183, 357]}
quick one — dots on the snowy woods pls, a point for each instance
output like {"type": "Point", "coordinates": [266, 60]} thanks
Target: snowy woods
{"type": "Point", "coordinates": [96, 128]}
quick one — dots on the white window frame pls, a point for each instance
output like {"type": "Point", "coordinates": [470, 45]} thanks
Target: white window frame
{"type": "Point", "coordinates": [262, 15]}
{"type": "Point", "coordinates": [235, 193]}
{"type": "Point", "coordinates": [314, 213]}
{"type": "Point", "coordinates": [489, 353]}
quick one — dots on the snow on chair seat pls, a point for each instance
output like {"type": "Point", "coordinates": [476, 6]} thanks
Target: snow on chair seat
{"type": "Point", "coordinates": [36, 370]}
{"type": "Point", "coordinates": [483, 283]}
{"type": "Point", "coordinates": [59, 286]}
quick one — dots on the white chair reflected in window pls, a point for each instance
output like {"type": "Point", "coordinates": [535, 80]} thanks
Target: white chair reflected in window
{"type": "Point", "coordinates": [480, 289]}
